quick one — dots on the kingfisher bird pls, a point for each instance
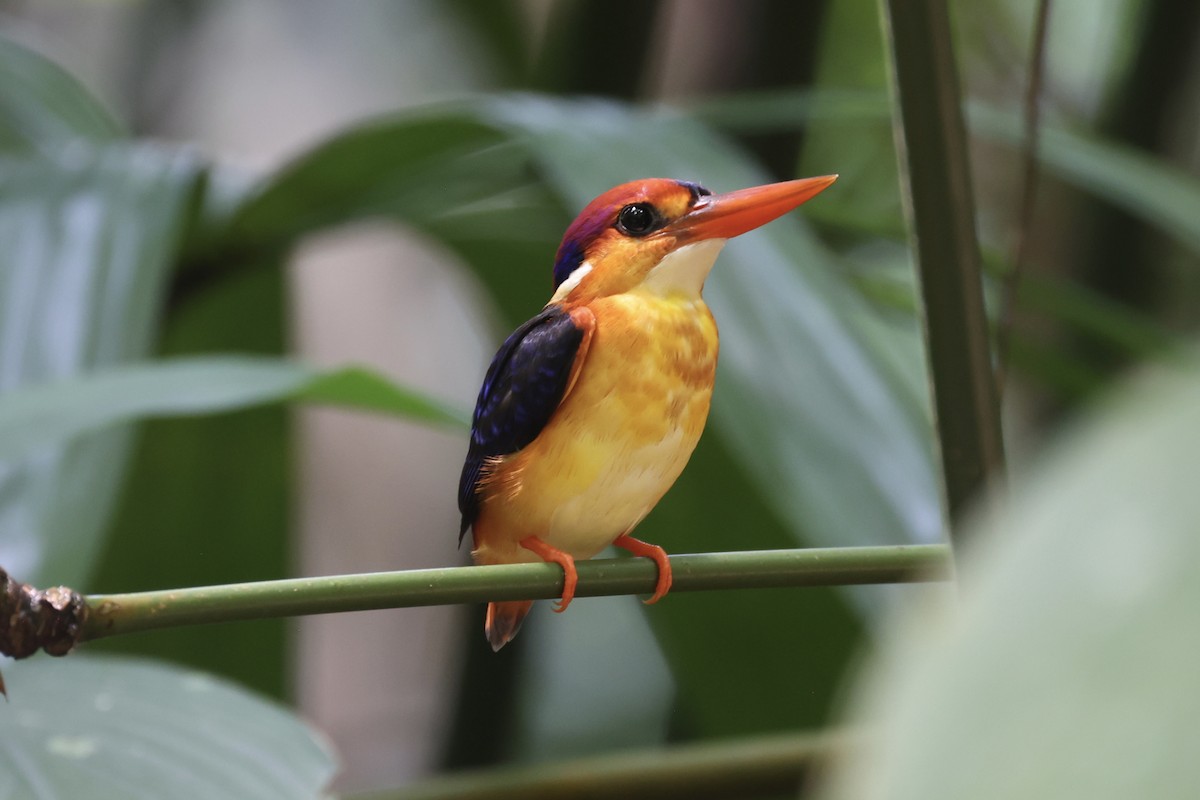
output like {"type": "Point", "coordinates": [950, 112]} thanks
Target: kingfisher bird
{"type": "Point", "coordinates": [591, 409]}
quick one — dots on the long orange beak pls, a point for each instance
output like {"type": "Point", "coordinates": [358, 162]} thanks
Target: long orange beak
{"type": "Point", "coordinates": [723, 216]}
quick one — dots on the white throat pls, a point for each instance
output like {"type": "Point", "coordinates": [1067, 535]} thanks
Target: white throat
{"type": "Point", "coordinates": [682, 271]}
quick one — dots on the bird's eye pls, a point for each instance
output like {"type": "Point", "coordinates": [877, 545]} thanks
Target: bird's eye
{"type": "Point", "coordinates": [637, 219]}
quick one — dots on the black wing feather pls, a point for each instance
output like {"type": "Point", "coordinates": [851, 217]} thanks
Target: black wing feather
{"type": "Point", "coordinates": [521, 391]}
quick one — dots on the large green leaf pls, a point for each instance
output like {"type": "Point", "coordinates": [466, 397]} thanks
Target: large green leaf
{"type": "Point", "coordinates": [107, 728]}
{"type": "Point", "coordinates": [54, 412]}
{"type": "Point", "coordinates": [420, 168]}
{"type": "Point", "coordinates": [209, 498]}
{"type": "Point", "coordinates": [88, 241]}
{"type": "Point", "coordinates": [1066, 669]}
{"type": "Point", "coordinates": [42, 108]}
{"type": "Point", "coordinates": [853, 64]}
{"type": "Point", "coordinates": [218, 485]}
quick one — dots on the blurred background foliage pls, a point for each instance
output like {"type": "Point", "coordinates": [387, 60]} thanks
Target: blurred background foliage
{"type": "Point", "coordinates": [386, 183]}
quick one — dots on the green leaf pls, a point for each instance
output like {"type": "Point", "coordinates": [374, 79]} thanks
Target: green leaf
{"type": "Point", "coordinates": [42, 108]}
{"type": "Point", "coordinates": [1065, 668]}
{"type": "Point", "coordinates": [107, 727]}
{"type": "Point", "coordinates": [88, 242]}
{"type": "Point", "coordinates": [1160, 194]}
{"type": "Point", "coordinates": [499, 26]}
{"type": "Point", "coordinates": [417, 166]}
{"type": "Point", "coordinates": [209, 499]}
{"type": "Point", "coordinates": [50, 413]}
{"type": "Point", "coordinates": [863, 155]}
{"type": "Point", "coordinates": [363, 389]}
{"type": "Point", "coordinates": [1090, 313]}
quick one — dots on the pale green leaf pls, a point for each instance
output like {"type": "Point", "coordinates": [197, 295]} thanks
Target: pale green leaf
{"type": "Point", "coordinates": [137, 730]}
{"type": "Point", "coordinates": [42, 108]}
{"type": "Point", "coordinates": [53, 412]}
{"type": "Point", "coordinates": [88, 243]}
{"type": "Point", "coordinates": [1065, 668]}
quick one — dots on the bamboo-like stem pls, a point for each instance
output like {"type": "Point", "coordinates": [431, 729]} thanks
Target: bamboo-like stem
{"type": "Point", "coordinates": [763, 766]}
{"type": "Point", "coordinates": [941, 211]}
{"type": "Point", "coordinates": [112, 614]}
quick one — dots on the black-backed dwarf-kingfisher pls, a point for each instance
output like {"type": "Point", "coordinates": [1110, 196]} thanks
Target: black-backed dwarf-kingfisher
{"type": "Point", "coordinates": [590, 410]}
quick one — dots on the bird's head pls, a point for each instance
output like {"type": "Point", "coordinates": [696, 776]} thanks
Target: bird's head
{"type": "Point", "coordinates": [662, 236]}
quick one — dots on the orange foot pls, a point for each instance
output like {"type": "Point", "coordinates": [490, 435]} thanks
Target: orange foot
{"type": "Point", "coordinates": [652, 551]}
{"type": "Point", "coordinates": [564, 560]}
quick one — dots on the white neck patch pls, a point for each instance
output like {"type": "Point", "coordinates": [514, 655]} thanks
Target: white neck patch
{"type": "Point", "coordinates": [571, 282]}
{"type": "Point", "coordinates": [683, 271]}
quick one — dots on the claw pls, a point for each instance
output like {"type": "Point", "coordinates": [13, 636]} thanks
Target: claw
{"type": "Point", "coordinates": [655, 553]}
{"type": "Point", "coordinates": [564, 560]}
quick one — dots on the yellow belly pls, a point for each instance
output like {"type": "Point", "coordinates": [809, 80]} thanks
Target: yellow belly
{"type": "Point", "coordinates": [620, 438]}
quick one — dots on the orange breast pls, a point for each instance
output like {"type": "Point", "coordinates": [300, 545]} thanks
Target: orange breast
{"type": "Point", "coordinates": [620, 438]}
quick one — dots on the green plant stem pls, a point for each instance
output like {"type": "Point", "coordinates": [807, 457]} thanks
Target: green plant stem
{"type": "Point", "coordinates": [751, 767]}
{"type": "Point", "coordinates": [941, 212]}
{"type": "Point", "coordinates": [1029, 181]}
{"type": "Point", "coordinates": [114, 614]}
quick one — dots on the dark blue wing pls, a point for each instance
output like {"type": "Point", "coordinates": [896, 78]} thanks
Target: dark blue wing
{"type": "Point", "coordinates": [521, 391]}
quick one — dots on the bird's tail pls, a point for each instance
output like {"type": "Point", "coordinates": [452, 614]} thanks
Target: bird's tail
{"type": "Point", "coordinates": [504, 620]}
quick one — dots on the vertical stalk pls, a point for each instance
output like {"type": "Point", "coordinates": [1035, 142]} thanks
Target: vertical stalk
{"type": "Point", "coordinates": [1029, 181]}
{"type": "Point", "coordinates": [931, 139]}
